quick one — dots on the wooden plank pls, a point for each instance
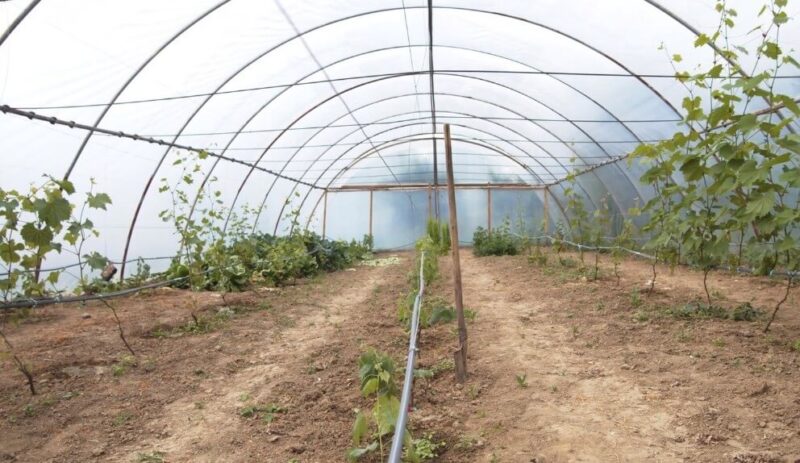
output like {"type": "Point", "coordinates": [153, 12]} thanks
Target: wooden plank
{"type": "Point", "coordinates": [461, 354]}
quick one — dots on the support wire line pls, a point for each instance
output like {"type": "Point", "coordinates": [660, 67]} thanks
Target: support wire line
{"type": "Point", "coordinates": [5, 109]}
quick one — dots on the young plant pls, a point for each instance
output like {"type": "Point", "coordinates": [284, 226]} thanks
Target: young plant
{"type": "Point", "coordinates": [577, 215]}
{"type": "Point", "coordinates": [376, 374]}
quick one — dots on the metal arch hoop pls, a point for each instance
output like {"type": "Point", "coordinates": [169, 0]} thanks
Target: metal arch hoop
{"type": "Point", "coordinates": [398, 141]}
{"type": "Point", "coordinates": [341, 155]}
{"type": "Point", "coordinates": [336, 21]}
{"type": "Point", "coordinates": [606, 110]}
{"type": "Point", "coordinates": [166, 44]}
{"type": "Point", "coordinates": [410, 139]}
{"type": "Point", "coordinates": [355, 87]}
{"type": "Point", "coordinates": [18, 21]}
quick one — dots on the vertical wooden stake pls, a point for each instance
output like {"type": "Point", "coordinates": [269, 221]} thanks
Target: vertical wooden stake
{"type": "Point", "coordinates": [461, 354]}
{"type": "Point", "coordinates": [488, 208]}
{"type": "Point", "coordinates": [370, 212]}
{"type": "Point", "coordinates": [324, 213]}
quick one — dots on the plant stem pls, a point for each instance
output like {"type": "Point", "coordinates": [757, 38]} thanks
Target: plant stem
{"type": "Point", "coordinates": [596, 259]}
{"type": "Point", "coordinates": [653, 280]}
{"type": "Point", "coordinates": [705, 284]}
{"type": "Point", "coordinates": [21, 366]}
{"type": "Point", "coordinates": [119, 327]}
{"type": "Point", "coordinates": [780, 303]}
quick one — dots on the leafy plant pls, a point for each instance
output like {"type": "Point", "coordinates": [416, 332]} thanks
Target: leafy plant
{"type": "Point", "coordinates": [376, 374]}
{"type": "Point", "coordinates": [439, 234]}
{"type": "Point", "coordinates": [522, 380]}
{"type": "Point", "coordinates": [423, 448]}
{"type": "Point", "coordinates": [739, 166]}
{"type": "Point", "coordinates": [496, 242]}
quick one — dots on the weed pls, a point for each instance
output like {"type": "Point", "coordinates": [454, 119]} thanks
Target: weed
{"type": "Point", "coordinates": [641, 316]}
{"type": "Point", "coordinates": [746, 312]}
{"type": "Point", "coordinates": [575, 332]}
{"type": "Point", "coordinates": [683, 336]}
{"type": "Point", "coordinates": [122, 366]}
{"type": "Point", "coordinates": [245, 397]}
{"type": "Point", "coordinates": [636, 298]}
{"type": "Point", "coordinates": [266, 412]}
{"type": "Point", "coordinates": [466, 442]}
{"type": "Point", "coordinates": [719, 342]}
{"type": "Point", "coordinates": [28, 410]}
{"type": "Point", "coordinates": [522, 380]}
{"type": "Point", "coordinates": [155, 456]}
{"type": "Point", "coordinates": [423, 448]}
{"type": "Point", "coordinates": [496, 242]}
{"type": "Point", "coordinates": [473, 391]}
{"type": "Point", "coordinates": [600, 307]}
{"type": "Point", "coordinates": [121, 418]}
{"type": "Point", "coordinates": [199, 405]}
{"type": "Point", "coordinates": [698, 310]}
{"type": "Point", "coordinates": [443, 365]}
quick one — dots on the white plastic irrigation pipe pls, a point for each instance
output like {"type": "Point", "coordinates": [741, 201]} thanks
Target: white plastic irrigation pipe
{"type": "Point", "coordinates": [396, 453]}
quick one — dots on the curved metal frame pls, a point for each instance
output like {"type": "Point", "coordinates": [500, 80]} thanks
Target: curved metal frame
{"type": "Point", "coordinates": [336, 21]}
{"type": "Point", "coordinates": [338, 94]}
{"type": "Point", "coordinates": [653, 3]}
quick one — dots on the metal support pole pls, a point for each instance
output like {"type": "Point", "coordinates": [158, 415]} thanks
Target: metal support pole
{"type": "Point", "coordinates": [489, 208]}
{"type": "Point", "coordinates": [370, 212]}
{"type": "Point", "coordinates": [324, 214]}
{"type": "Point", "coordinates": [460, 356]}
{"type": "Point", "coordinates": [546, 211]}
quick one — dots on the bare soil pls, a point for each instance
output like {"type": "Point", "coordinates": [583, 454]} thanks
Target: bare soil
{"type": "Point", "coordinates": [609, 373]}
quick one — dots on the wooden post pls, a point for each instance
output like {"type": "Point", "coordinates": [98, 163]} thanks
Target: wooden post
{"type": "Point", "coordinates": [460, 356]}
{"type": "Point", "coordinates": [324, 213]}
{"type": "Point", "coordinates": [488, 208]}
{"type": "Point", "coordinates": [370, 212]}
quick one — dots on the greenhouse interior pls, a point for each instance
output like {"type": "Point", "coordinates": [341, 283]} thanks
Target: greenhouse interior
{"type": "Point", "coordinates": [400, 231]}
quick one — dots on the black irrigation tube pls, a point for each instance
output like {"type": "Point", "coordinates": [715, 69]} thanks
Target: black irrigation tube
{"type": "Point", "coordinates": [408, 383]}
{"type": "Point", "coordinates": [5, 109]}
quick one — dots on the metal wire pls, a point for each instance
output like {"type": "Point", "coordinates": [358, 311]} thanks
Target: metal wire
{"type": "Point", "coordinates": [76, 125]}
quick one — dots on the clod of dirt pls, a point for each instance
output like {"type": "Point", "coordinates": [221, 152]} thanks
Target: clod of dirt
{"type": "Point", "coordinates": [760, 457]}
{"type": "Point", "coordinates": [762, 390]}
{"type": "Point", "coordinates": [86, 315]}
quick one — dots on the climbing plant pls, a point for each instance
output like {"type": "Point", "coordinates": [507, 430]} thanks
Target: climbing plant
{"type": "Point", "coordinates": [731, 174]}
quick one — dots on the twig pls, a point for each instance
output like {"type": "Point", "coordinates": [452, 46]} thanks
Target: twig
{"type": "Point", "coordinates": [21, 366]}
{"type": "Point", "coordinates": [119, 326]}
{"type": "Point", "coordinates": [780, 303]}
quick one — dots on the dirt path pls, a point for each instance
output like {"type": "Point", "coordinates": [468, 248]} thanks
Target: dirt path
{"type": "Point", "coordinates": [601, 387]}
{"type": "Point", "coordinates": [571, 409]}
{"type": "Point", "coordinates": [215, 431]}
{"type": "Point", "coordinates": [294, 348]}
